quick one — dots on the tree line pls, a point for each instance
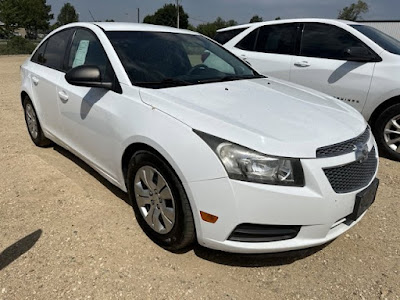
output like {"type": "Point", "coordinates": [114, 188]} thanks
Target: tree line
{"type": "Point", "coordinates": [35, 16]}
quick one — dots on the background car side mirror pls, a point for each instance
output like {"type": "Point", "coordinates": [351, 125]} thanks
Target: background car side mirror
{"type": "Point", "coordinates": [360, 54]}
{"type": "Point", "coordinates": [88, 76]}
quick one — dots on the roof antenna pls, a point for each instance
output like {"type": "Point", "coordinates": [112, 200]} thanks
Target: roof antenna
{"type": "Point", "coordinates": [91, 15]}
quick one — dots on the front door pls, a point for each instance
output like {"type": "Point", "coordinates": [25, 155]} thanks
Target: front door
{"type": "Point", "coordinates": [86, 113]}
{"type": "Point", "coordinates": [322, 64]}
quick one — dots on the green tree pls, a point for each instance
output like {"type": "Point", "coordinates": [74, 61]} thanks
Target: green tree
{"type": "Point", "coordinates": [210, 29]}
{"type": "Point", "coordinates": [33, 15]}
{"type": "Point", "coordinates": [256, 19]}
{"type": "Point", "coordinates": [109, 20]}
{"type": "Point", "coordinates": [278, 18]}
{"type": "Point", "coordinates": [167, 15]}
{"type": "Point", "coordinates": [354, 11]}
{"type": "Point", "coordinates": [67, 15]}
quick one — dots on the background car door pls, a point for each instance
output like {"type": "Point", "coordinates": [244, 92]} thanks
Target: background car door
{"type": "Point", "coordinates": [269, 48]}
{"type": "Point", "coordinates": [322, 64]}
{"type": "Point", "coordinates": [48, 70]}
{"type": "Point", "coordinates": [86, 113]}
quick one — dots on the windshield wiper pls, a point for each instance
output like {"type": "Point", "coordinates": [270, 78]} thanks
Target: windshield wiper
{"type": "Point", "coordinates": [231, 78]}
{"type": "Point", "coordinates": [167, 82]}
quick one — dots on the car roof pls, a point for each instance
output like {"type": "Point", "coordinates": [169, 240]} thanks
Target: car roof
{"type": "Point", "coordinates": [122, 26]}
{"type": "Point", "coordinates": [327, 21]}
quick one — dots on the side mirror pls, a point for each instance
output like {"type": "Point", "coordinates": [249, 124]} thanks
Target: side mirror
{"type": "Point", "coordinates": [359, 54]}
{"type": "Point", "coordinates": [88, 76]}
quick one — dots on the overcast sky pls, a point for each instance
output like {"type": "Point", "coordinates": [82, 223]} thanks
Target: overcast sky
{"type": "Point", "coordinates": [240, 10]}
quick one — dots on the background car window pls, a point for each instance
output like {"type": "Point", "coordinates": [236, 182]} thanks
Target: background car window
{"type": "Point", "coordinates": [327, 41]}
{"type": "Point", "coordinates": [225, 36]}
{"type": "Point", "coordinates": [382, 39]}
{"type": "Point", "coordinates": [86, 49]}
{"type": "Point", "coordinates": [278, 39]}
{"type": "Point", "coordinates": [38, 57]}
{"type": "Point", "coordinates": [249, 41]}
{"type": "Point", "coordinates": [55, 50]}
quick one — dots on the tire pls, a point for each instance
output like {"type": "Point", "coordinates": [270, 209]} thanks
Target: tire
{"type": "Point", "coordinates": [388, 143]}
{"type": "Point", "coordinates": [33, 125]}
{"type": "Point", "coordinates": [147, 172]}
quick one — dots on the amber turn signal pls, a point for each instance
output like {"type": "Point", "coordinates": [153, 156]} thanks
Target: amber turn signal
{"type": "Point", "coordinates": [208, 217]}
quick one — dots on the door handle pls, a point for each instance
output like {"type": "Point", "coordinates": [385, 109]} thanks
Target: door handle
{"type": "Point", "coordinates": [35, 80]}
{"type": "Point", "coordinates": [63, 96]}
{"type": "Point", "coordinates": [302, 64]}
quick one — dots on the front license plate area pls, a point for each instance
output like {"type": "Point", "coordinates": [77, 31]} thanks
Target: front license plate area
{"type": "Point", "coordinates": [364, 200]}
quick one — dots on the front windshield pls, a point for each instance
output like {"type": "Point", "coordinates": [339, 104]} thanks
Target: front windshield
{"type": "Point", "coordinates": [164, 59]}
{"type": "Point", "coordinates": [385, 41]}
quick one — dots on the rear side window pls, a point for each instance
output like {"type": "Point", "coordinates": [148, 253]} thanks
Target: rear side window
{"type": "Point", "coordinates": [278, 39]}
{"type": "Point", "coordinates": [55, 50]}
{"type": "Point", "coordinates": [38, 57]}
{"type": "Point", "coordinates": [86, 49]}
{"type": "Point", "coordinates": [248, 42]}
{"type": "Point", "coordinates": [382, 39]}
{"type": "Point", "coordinates": [327, 41]}
{"type": "Point", "coordinates": [225, 36]}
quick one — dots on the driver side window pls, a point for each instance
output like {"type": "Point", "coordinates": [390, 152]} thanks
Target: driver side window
{"type": "Point", "coordinates": [327, 41]}
{"type": "Point", "coordinates": [86, 49]}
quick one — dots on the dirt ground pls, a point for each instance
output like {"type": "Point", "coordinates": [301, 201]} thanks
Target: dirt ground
{"type": "Point", "coordinates": [66, 233]}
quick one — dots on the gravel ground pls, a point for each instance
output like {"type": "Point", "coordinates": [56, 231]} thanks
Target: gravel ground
{"type": "Point", "coordinates": [66, 233]}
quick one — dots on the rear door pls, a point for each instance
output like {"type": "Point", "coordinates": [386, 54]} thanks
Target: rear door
{"type": "Point", "coordinates": [48, 69]}
{"type": "Point", "coordinates": [322, 65]}
{"type": "Point", "coordinates": [269, 49]}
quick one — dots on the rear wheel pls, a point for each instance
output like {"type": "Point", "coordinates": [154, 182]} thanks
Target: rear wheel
{"type": "Point", "coordinates": [387, 132]}
{"type": "Point", "coordinates": [160, 203]}
{"type": "Point", "coordinates": [32, 122]}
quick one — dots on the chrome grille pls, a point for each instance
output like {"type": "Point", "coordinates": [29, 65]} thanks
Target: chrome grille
{"type": "Point", "coordinates": [343, 147]}
{"type": "Point", "coordinates": [353, 176]}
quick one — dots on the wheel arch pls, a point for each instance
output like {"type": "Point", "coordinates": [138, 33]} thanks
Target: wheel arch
{"type": "Point", "coordinates": [23, 96]}
{"type": "Point", "coordinates": [382, 107]}
{"type": "Point", "coordinates": [134, 147]}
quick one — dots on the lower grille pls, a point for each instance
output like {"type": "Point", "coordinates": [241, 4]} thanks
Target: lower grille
{"type": "Point", "coordinates": [353, 176]}
{"type": "Point", "coordinates": [254, 233]}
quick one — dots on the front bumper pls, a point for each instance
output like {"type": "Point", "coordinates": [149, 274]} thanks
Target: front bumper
{"type": "Point", "coordinates": [316, 208]}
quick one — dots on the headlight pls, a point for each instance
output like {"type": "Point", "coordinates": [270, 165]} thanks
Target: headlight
{"type": "Point", "coordinates": [248, 165]}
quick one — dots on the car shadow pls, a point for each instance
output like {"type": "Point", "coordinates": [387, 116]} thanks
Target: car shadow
{"type": "Point", "coordinates": [112, 188]}
{"type": "Point", "coordinates": [19, 248]}
{"type": "Point", "coordinates": [91, 98]}
{"type": "Point", "coordinates": [255, 260]}
{"type": "Point", "coordinates": [343, 70]}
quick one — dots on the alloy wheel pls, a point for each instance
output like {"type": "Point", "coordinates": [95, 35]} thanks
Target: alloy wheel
{"type": "Point", "coordinates": [154, 199]}
{"type": "Point", "coordinates": [392, 134]}
{"type": "Point", "coordinates": [31, 121]}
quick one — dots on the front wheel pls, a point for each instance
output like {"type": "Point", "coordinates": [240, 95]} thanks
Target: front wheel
{"type": "Point", "coordinates": [160, 203]}
{"type": "Point", "coordinates": [387, 132]}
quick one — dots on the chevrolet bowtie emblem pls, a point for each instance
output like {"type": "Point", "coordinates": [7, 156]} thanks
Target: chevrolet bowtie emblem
{"type": "Point", "coordinates": [361, 151]}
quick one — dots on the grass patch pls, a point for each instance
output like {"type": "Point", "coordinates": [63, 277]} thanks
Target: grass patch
{"type": "Point", "coordinates": [17, 45]}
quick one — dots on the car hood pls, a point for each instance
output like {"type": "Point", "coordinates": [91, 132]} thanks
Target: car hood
{"type": "Point", "coordinates": [268, 115]}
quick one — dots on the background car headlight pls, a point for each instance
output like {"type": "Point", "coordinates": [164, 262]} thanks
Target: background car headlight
{"type": "Point", "coordinates": [245, 164]}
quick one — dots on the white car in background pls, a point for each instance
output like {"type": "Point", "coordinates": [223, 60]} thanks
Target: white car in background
{"type": "Point", "coordinates": [352, 62]}
{"type": "Point", "coordinates": [214, 152]}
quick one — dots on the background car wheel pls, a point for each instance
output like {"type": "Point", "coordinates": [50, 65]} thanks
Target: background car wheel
{"type": "Point", "coordinates": [387, 132]}
{"type": "Point", "coordinates": [160, 203]}
{"type": "Point", "coordinates": [32, 122]}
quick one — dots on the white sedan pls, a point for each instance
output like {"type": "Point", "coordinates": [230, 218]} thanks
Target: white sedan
{"type": "Point", "coordinates": [210, 152]}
